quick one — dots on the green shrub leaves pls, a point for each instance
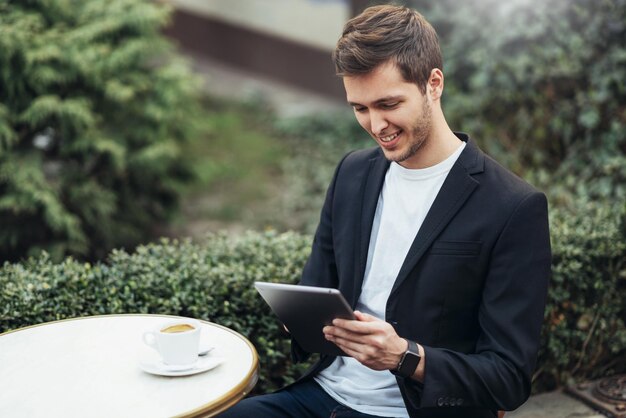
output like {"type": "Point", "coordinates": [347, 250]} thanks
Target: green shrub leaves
{"type": "Point", "coordinates": [584, 334]}
{"type": "Point", "coordinates": [94, 107]}
{"type": "Point", "coordinates": [212, 281]}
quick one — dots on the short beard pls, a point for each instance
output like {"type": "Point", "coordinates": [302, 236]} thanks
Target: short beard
{"type": "Point", "coordinates": [419, 134]}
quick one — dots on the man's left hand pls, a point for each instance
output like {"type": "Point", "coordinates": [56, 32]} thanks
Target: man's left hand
{"type": "Point", "coordinates": [371, 341]}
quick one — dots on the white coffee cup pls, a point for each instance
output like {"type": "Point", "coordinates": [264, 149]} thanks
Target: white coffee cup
{"type": "Point", "coordinates": [177, 341]}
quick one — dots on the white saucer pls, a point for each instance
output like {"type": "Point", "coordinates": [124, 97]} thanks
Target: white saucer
{"type": "Point", "coordinates": [155, 365]}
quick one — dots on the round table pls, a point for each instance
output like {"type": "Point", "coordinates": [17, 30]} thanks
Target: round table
{"type": "Point", "coordinates": [89, 367]}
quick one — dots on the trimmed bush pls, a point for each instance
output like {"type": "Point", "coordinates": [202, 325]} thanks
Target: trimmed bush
{"type": "Point", "coordinates": [584, 334]}
{"type": "Point", "coordinates": [212, 281]}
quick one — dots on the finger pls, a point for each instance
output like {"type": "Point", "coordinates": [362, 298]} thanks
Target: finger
{"type": "Point", "coordinates": [338, 332]}
{"type": "Point", "coordinates": [361, 316]}
{"type": "Point", "coordinates": [340, 321]}
{"type": "Point", "coordinates": [348, 346]}
{"type": "Point", "coordinates": [332, 333]}
{"type": "Point", "coordinates": [329, 330]}
{"type": "Point", "coordinates": [348, 351]}
{"type": "Point", "coordinates": [359, 352]}
{"type": "Point", "coordinates": [361, 327]}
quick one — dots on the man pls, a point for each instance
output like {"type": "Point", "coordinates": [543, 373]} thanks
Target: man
{"type": "Point", "coordinates": [444, 254]}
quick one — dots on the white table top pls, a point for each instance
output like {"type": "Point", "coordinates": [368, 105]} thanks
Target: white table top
{"type": "Point", "coordinates": [89, 367]}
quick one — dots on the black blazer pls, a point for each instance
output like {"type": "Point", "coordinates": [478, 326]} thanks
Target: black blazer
{"type": "Point", "coordinates": [472, 288]}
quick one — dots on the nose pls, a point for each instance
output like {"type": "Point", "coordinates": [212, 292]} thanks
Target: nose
{"type": "Point", "coordinates": [378, 122]}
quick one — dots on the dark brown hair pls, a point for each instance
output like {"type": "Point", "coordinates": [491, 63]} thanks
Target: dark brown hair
{"type": "Point", "coordinates": [383, 33]}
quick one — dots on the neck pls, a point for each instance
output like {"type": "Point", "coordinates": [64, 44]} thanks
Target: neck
{"type": "Point", "coordinates": [441, 143]}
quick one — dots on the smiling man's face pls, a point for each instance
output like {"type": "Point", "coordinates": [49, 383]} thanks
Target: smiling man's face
{"type": "Point", "coordinates": [393, 111]}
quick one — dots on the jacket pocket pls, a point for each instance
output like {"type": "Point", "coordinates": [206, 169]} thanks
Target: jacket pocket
{"type": "Point", "coordinates": [462, 248]}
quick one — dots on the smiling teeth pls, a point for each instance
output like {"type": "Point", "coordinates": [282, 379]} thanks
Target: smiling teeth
{"type": "Point", "coordinates": [389, 138]}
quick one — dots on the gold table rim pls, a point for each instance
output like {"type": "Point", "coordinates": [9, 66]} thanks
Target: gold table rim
{"type": "Point", "coordinates": [209, 409]}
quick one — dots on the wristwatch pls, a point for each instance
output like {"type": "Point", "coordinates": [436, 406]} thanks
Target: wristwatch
{"type": "Point", "coordinates": [409, 361]}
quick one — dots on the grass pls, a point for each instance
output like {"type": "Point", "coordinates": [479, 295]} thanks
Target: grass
{"type": "Point", "coordinates": [255, 171]}
{"type": "Point", "coordinates": [237, 163]}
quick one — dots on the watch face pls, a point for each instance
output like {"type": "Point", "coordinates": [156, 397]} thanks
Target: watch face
{"type": "Point", "coordinates": [409, 364]}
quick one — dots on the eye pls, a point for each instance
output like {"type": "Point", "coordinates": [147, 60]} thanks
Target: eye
{"type": "Point", "coordinates": [388, 106]}
{"type": "Point", "coordinates": [359, 109]}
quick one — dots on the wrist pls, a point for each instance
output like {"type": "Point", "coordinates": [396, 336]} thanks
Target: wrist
{"type": "Point", "coordinates": [409, 361]}
{"type": "Point", "coordinates": [403, 347]}
{"type": "Point", "coordinates": [421, 367]}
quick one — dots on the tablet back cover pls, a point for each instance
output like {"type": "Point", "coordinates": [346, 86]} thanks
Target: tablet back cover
{"type": "Point", "coordinates": [305, 311]}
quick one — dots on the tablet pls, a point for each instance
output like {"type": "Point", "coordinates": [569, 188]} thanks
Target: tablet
{"type": "Point", "coordinates": [305, 310]}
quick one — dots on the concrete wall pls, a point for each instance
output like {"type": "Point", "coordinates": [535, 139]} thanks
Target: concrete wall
{"type": "Point", "coordinates": [289, 41]}
{"type": "Point", "coordinates": [316, 23]}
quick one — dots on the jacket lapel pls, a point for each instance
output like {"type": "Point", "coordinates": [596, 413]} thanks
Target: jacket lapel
{"type": "Point", "coordinates": [370, 192]}
{"type": "Point", "coordinates": [456, 189]}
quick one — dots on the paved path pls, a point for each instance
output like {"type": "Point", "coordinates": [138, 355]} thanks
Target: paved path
{"type": "Point", "coordinates": [553, 405]}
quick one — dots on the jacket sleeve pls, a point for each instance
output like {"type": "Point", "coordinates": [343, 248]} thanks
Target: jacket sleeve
{"type": "Point", "coordinates": [320, 268]}
{"type": "Point", "coordinates": [498, 374]}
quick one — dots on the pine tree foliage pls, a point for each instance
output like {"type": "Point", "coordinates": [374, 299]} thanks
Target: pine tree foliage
{"type": "Point", "coordinates": [94, 106]}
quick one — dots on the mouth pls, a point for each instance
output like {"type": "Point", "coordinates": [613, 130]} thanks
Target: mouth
{"type": "Point", "coordinates": [389, 141]}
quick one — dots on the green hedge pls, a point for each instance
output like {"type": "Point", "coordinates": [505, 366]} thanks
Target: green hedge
{"type": "Point", "coordinates": [212, 281]}
{"type": "Point", "coordinates": [584, 336]}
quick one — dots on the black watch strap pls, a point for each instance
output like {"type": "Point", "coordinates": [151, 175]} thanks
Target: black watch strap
{"type": "Point", "coordinates": [409, 361]}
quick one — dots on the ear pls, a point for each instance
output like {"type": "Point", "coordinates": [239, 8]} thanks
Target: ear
{"type": "Point", "coordinates": [434, 87]}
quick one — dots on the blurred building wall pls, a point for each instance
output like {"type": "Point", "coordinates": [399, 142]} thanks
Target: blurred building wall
{"type": "Point", "coordinates": [287, 40]}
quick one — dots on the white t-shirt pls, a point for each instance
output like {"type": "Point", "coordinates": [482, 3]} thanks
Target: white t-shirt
{"type": "Point", "coordinates": [404, 201]}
